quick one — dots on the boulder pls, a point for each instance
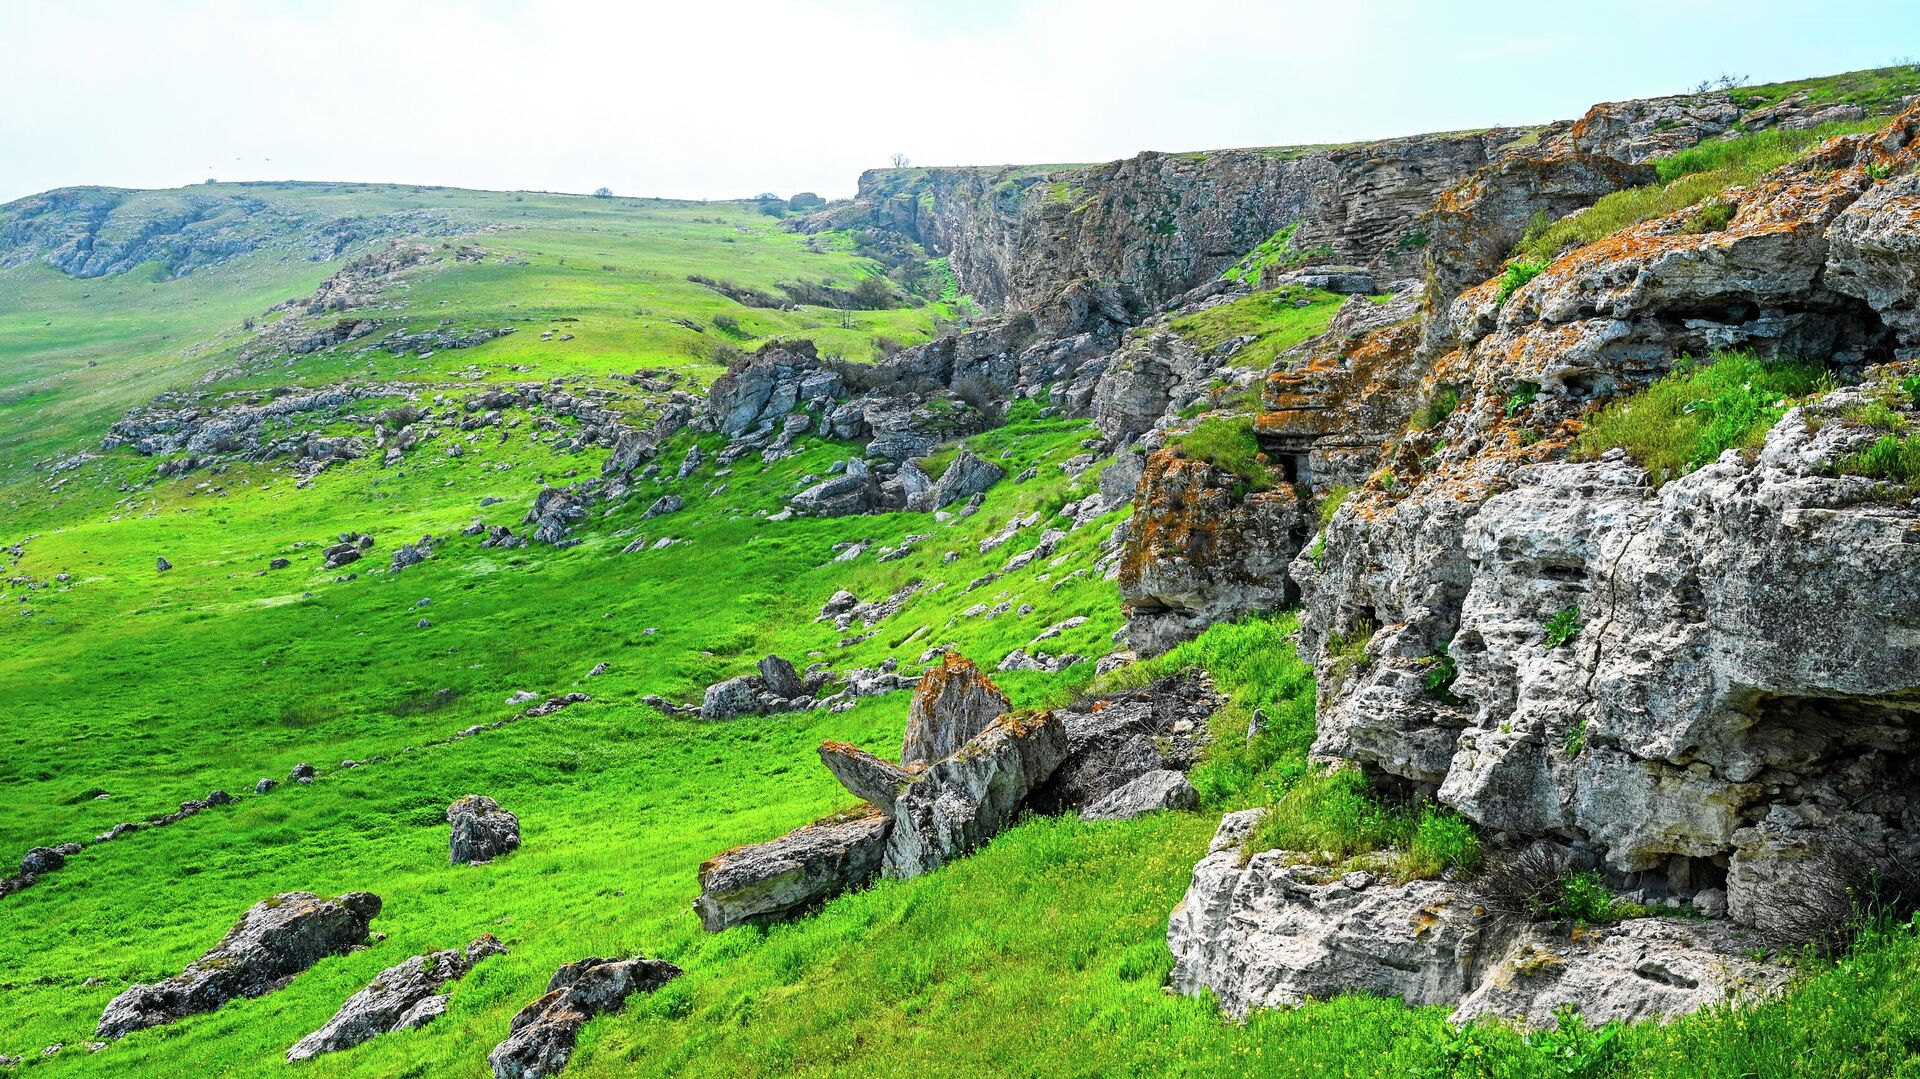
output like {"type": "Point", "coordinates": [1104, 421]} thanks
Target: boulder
{"type": "Point", "coordinates": [867, 777]}
{"type": "Point", "coordinates": [664, 505]}
{"type": "Point", "coordinates": [967, 475]}
{"type": "Point", "coordinates": [779, 879]}
{"type": "Point", "coordinates": [780, 678]}
{"type": "Point", "coordinates": [542, 1034]}
{"type": "Point", "coordinates": [1115, 740]}
{"type": "Point", "coordinates": [1164, 789]}
{"type": "Point", "coordinates": [482, 831]}
{"type": "Point", "coordinates": [953, 702]}
{"type": "Point", "coordinates": [731, 698]}
{"type": "Point", "coordinates": [275, 940]}
{"type": "Point", "coordinates": [41, 860]}
{"type": "Point", "coordinates": [399, 998]}
{"type": "Point", "coordinates": [161, 564]}
{"type": "Point", "coordinates": [967, 798]}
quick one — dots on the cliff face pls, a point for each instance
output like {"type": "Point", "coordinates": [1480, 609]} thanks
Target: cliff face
{"type": "Point", "coordinates": [1741, 689]}
{"type": "Point", "coordinates": [1164, 223]}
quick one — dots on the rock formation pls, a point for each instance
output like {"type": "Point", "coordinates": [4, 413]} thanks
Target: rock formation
{"type": "Point", "coordinates": [399, 998]}
{"type": "Point", "coordinates": [953, 702]}
{"type": "Point", "coordinates": [482, 831]}
{"type": "Point", "coordinates": [275, 940]}
{"type": "Point", "coordinates": [543, 1033]}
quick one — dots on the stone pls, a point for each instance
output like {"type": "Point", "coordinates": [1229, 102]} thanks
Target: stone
{"type": "Point", "coordinates": [481, 832]}
{"type": "Point", "coordinates": [732, 698]}
{"type": "Point", "coordinates": [953, 702]}
{"type": "Point", "coordinates": [785, 877]}
{"type": "Point", "coordinates": [1163, 789]}
{"type": "Point", "coordinates": [1113, 741]}
{"type": "Point", "coordinates": [542, 1035]}
{"type": "Point", "coordinates": [275, 940]}
{"type": "Point", "coordinates": [301, 771]}
{"type": "Point", "coordinates": [867, 777]}
{"type": "Point", "coordinates": [967, 475]}
{"type": "Point", "coordinates": [664, 505]}
{"type": "Point", "coordinates": [162, 564]}
{"type": "Point", "coordinates": [780, 678]}
{"type": "Point", "coordinates": [400, 997]}
{"type": "Point", "coordinates": [264, 785]}
{"type": "Point", "coordinates": [42, 860]}
{"type": "Point", "coordinates": [965, 799]}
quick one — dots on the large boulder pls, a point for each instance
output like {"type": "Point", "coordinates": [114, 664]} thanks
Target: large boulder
{"type": "Point", "coordinates": [400, 997]}
{"type": "Point", "coordinates": [962, 801]}
{"type": "Point", "coordinates": [542, 1035]}
{"type": "Point", "coordinates": [734, 697]}
{"type": "Point", "coordinates": [482, 831]}
{"type": "Point", "coordinates": [1272, 930]}
{"type": "Point", "coordinates": [780, 678]}
{"type": "Point", "coordinates": [779, 879]}
{"type": "Point", "coordinates": [967, 475]}
{"type": "Point", "coordinates": [1114, 740]}
{"type": "Point", "coordinates": [953, 702]}
{"type": "Point", "coordinates": [276, 939]}
{"type": "Point", "coordinates": [1151, 791]}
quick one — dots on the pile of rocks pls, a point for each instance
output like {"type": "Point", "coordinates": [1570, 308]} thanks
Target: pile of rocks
{"type": "Point", "coordinates": [968, 768]}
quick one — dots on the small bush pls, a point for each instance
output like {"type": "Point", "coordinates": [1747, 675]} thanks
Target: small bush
{"type": "Point", "coordinates": [1522, 397]}
{"type": "Point", "coordinates": [1692, 416]}
{"type": "Point", "coordinates": [1519, 271]}
{"type": "Point", "coordinates": [1330, 502]}
{"type": "Point", "coordinates": [1227, 443]}
{"type": "Point", "coordinates": [1538, 883]}
{"type": "Point", "coordinates": [1435, 412]}
{"type": "Point", "coordinates": [1910, 386]}
{"type": "Point", "coordinates": [1439, 677]}
{"type": "Point", "coordinates": [1854, 889]}
{"type": "Point", "coordinates": [1564, 626]}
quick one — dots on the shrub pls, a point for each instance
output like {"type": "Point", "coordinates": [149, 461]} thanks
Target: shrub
{"type": "Point", "coordinates": [1853, 889]}
{"type": "Point", "coordinates": [1692, 416]}
{"type": "Point", "coordinates": [1227, 443]}
{"type": "Point", "coordinates": [1330, 502]}
{"type": "Point", "coordinates": [1522, 397]}
{"type": "Point", "coordinates": [1564, 626]}
{"type": "Point", "coordinates": [1910, 386]}
{"type": "Point", "coordinates": [1439, 677]}
{"type": "Point", "coordinates": [603, 192]}
{"type": "Point", "coordinates": [1519, 271]}
{"type": "Point", "coordinates": [1435, 411]}
{"type": "Point", "coordinates": [1538, 883]}
{"type": "Point", "coordinates": [1442, 839]}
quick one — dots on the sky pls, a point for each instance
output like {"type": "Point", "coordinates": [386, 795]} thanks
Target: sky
{"type": "Point", "coordinates": [728, 98]}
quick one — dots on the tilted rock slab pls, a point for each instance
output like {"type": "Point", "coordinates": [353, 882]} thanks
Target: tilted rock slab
{"type": "Point", "coordinates": [482, 831]}
{"type": "Point", "coordinates": [1261, 933]}
{"type": "Point", "coordinates": [275, 940]}
{"type": "Point", "coordinates": [400, 997]}
{"type": "Point", "coordinates": [866, 776]}
{"type": "Point", "coordinates": [953, 702]}
{"type": "Point", "coordinates": [786, 877]}
{"type": "Point", "coordinates": [960, 802]}
{"type": "Point", "coordinates": [544, 1032]}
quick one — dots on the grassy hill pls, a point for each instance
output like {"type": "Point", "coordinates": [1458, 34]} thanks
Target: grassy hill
{"type": "Point", "coordinates": [124, 691]}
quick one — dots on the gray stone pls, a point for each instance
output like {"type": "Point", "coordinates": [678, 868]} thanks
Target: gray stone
{"type": "Point", "coordinates": [867, 777]}
{"type": "Point", "coordinates": [275, 940]}
{"type": "Point", "coordinates": [785, 877]}
{"type": "Point", "coordinates": [953, 702]}
{"type": "Point", "coordinates": [542, 1034]}
{"type": "Point", "coordinates": [481, 832]}
{"type": "Point", "coordinates": [400, 997]}
{"type": "Point", "coordinates": [967, 798]}
{"type": "Point", "coordinates": [1164, 789]}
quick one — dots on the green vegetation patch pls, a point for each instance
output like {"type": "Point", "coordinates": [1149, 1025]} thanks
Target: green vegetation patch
{"type": "Point", "coordinates": [1276, 252]}
{"type": "Point", "coordinates": [1692, 416]}
{"type": "Point", "coordinates": [1277, 320]}
{"type": "Point", "coordinates": [1228, 444]}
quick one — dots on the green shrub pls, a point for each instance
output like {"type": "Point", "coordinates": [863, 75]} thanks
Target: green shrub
{"type": "Point", "coordinates": [1576, 739]}
{"type": "Point", "coordinates": [1227, 443]}
{"type": "Point", "coordinates": [1439, 677]}
{"type": "Point", "coordinates": [1522, 398]}
{"type": "Point", "coordinates": [1564, 626]}
{"type": "Point", "coordinates": [1692, 416]}
{"type": "Point", "coordinates": [1442, 839]}
{"type": "Point", "coordinates": [1519, 271]}
{"type": "Point", "coordinates": [1713, 215]}
{"type": "Point", "coordinates": [1331, 501]}
{"type": "Point", "coordinates": [1910, 386]}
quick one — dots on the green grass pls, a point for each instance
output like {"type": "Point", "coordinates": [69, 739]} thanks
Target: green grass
{"type": "Point", "coordinates": [1690, 177]}
{"type": "Point", "coordinates": [1890, 457]}
{"type": "Point", "coordinates": [1276, 252]}
{"type": "Point", "coordinates": [1228, 444]}
{"type": "Point", "coordinates": [1333, 819]}
{"type": "Point", "coordinates": [1690, 417]}
{"type": "Point", "coordinates": [1277, 320]}
{"type": "Point", "coordinates": [1519, 271]}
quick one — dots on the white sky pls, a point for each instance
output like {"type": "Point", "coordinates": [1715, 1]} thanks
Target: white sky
{"type": "Point", "coordinates": [726, 98]}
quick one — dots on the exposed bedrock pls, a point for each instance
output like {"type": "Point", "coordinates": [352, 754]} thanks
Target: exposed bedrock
{"type": "Point", "coordinates": [1742, 674]}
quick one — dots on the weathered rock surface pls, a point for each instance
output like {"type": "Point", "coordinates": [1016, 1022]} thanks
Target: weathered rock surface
{"type": "Point", "coordinates": [785, 877]}
{"type": "Point", "coordinates": [1115, 740]}
{"type": "Point", "coordinates": [960, 802]}
{"type": "Point", "coordinates": [544, 1033]}
{"type": "Point", "coordinates": [275, 940]}
{"type": "Point", "coordinates": [953, 702]}
{"type": "Point", "coordinates": [482, 831]}
{"type": "Point", "coordinates": [1146, 793]}
{"type": "Point", "coordinates": [1259, 932]}
{"type": "Point", "coordinates": [400, 997]}
{"type": "Point", "coordinates": [867, 777]}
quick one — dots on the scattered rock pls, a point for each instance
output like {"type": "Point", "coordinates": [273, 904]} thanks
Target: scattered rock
{"type": "Point", "coordinates": [1164, 789]}
{"type": "Point", "coordinates": [482, 831]}
{"type": "Point", "coordinates": [400, 997]}
{"type": "Point", "coordinates": [543, 1033]}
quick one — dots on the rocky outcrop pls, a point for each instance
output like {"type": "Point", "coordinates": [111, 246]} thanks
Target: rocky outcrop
{"type": "Point", "coordinates": [482, 831]}
{"type": "Point", "coordinates": [869, 778]}
{"type": "Point", "coordinates": [275, 940]}
{"type": "Point", "coordinates": [953, 702]}
{"type": "Point", "coordinates": [1272, 930]}
{"type": "Point", "coordinates": [1734, 680]}
{"type": "Point", "coordinates": [789, 876]}
{"type": "Point", "coordinates": [1163, 223]}
{"type": "Point", "coordinates": [399, 998]}
{"type": "Point", "coordinates": [1116, 739]}
{"type": "Point", "coordinates": [962, 801]}
{"type": "Point", "coordinates": [544, 1033]}
{"type": "Point", "coordinates": [1150, 791]}
{"type": "Point", "coordinates": [1198, 552]}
